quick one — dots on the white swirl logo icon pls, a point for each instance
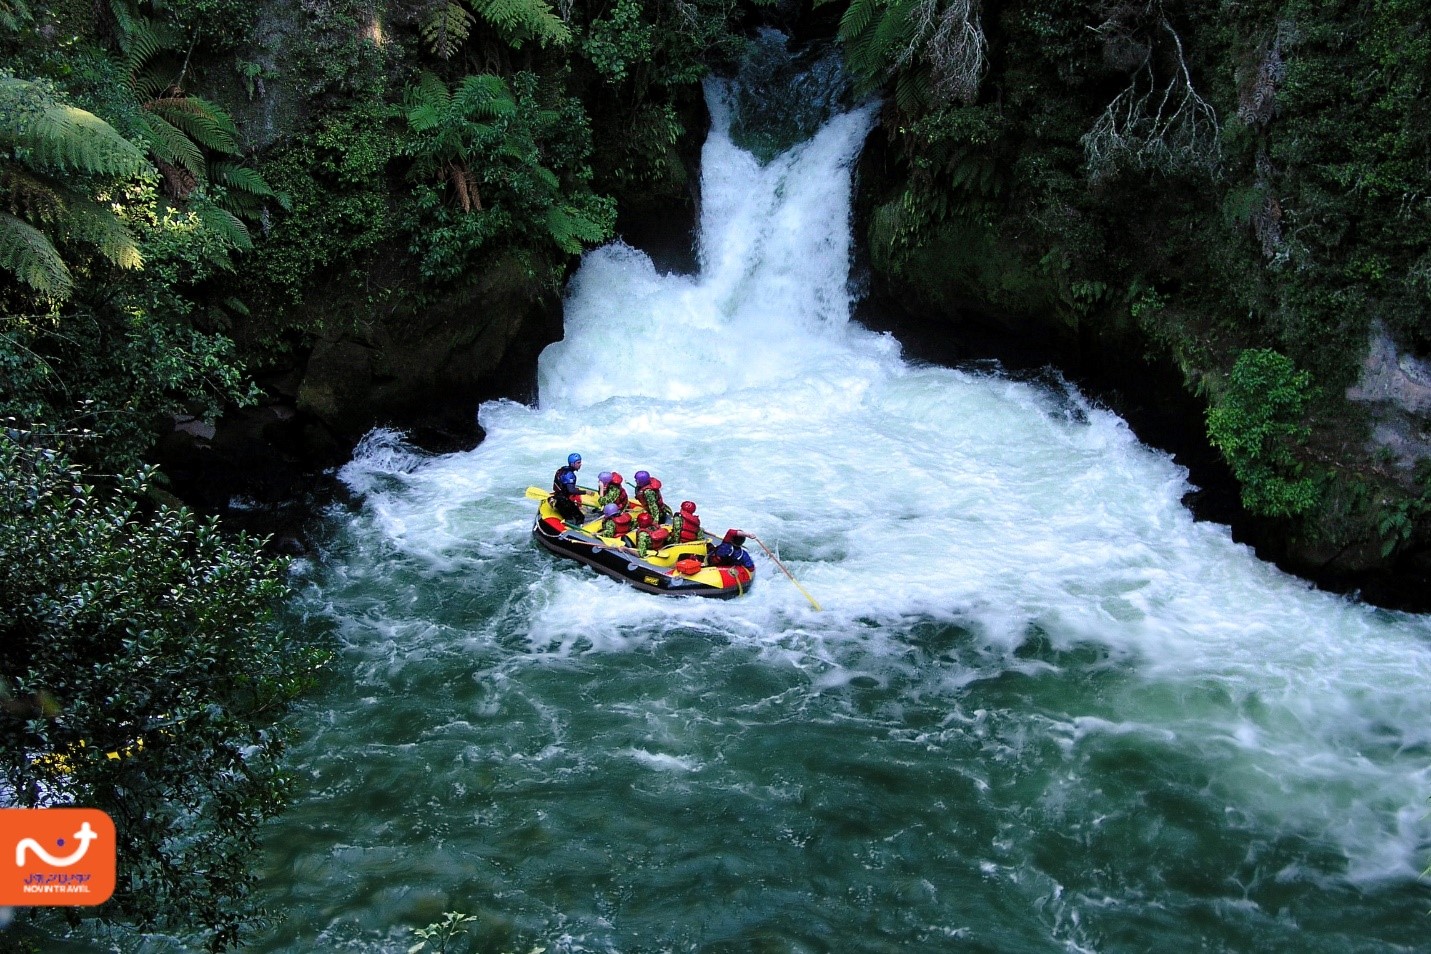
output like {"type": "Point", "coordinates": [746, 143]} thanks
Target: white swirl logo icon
{"type": "Point", "coordinates": [84, 836]}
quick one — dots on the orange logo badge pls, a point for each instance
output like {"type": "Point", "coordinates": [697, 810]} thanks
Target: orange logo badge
{"type": "Point", "coordinates": [55, 856]}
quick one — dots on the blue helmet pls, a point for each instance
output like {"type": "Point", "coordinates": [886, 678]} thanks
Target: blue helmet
{"type": "Point", "coordinates": [610, 510]}
{"type": "Point", "coordinates": [573, 460]}
{"type": "Point", "coordinates": [642, 478]}
{"type": "Point", "coordinates": [604, 476]}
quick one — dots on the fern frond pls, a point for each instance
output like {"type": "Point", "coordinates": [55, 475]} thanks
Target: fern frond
{"type": "Point", "coordinates": [518, 20]}
{"type": "Point", "coordinates": [204, 122]}
{"type": "Point", "coordinates": [893, 35]}
{"type": "Point", "coordinates": [58, 135]}
{"type": "Point", "coordinates": [233, 176]}
{"type": "Point", "coordinates": [427, 103]}
{"type": "Point", "coordinates": [225, 225]}
{"type": "Point", "coordinates": [35, 197]}
{"type": "Point", "coordinates": [484, 96]}
{"type": "Point", "coordinates": [445, 29]}
{"type": "Point", "coordinates": [172, 145]}
{"type": "Point", "coordinates": [142, 40]}
{"type": "Point", "coordinates": [33, 258]}
{"type": "Point", "coordinates": [857, 18]}
{"type": "Point", "coordinates": [95, 225]}
{"type": "Point", "coordinates": [13, 13]}
{"type": "Point", "coordinates": [569, 229]}
{"type": "Point", "coordinates": [911, 90]}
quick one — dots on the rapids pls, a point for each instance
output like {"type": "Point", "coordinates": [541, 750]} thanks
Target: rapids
{"type": "Point", "coordinates": [1042, 708]}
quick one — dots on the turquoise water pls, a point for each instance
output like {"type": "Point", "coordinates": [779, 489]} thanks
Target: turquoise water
{"type": "Point", "coordinates": [1040, 708]}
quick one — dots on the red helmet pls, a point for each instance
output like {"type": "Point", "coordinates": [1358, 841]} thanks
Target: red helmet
{"type": "Point", "coordinates": [644, 520]}
{"type": "Point", "coordinates": [688, 506]}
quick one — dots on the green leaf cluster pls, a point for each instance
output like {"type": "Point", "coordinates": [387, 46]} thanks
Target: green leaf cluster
{"type": "Point", "coordinates": [498, 162]}
{"type": "Point", "coordinates": [143, 674]}
{"type": "Point", "coordinates": [1257, 423]}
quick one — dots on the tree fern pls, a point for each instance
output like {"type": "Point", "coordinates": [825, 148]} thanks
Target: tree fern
{"type": "Point", "coordinates": [44, 143]}
{"type": "Point", "coordinates": [893, 38]}
{"type": "Point", "coordinates": [570, 229]}
{"type": "Point", "coordinates": [33, 258]}
{"type": "Point", "coordinates": [202, 121]}
{"type": "Point", "coordinates": [520, 20]}
{"type": "Point", "coordinates": [189, 135]}
{"type": "Point", "coordinates": [911, 90]}
{"type": "Point", "coordinates": [426, 104]}
{"type": "Point", "coordinates": [857, 18]}
{"type": "Point", "coordinates": [484, 96]}
{"type": "Point", "coordinates": [141, 40]}
{"type": "Point", "coordinates": [446, 28]}
{"type": "Point", "coordinates": [233, 176]}
{"type": "Point", "coordinates": [171, 144]}
{"type": "Point", "coordinates": [30, 195]}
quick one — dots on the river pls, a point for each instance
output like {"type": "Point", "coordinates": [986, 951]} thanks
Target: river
{"type": "Point", "coordinates": [1040, 708]}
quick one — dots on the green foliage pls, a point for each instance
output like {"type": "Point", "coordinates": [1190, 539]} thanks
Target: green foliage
{"type": "Point", "coordinates": [439, 934]}
{"type": "Point", "coordinates": [446, 25]}
{"type": "Point", "coordinates": [1400, 517]}
{"type": "Point", "coordinates": [345, 203]}
{"type": "Point", "coordinates": [148, 634]}
{"type": "Point", "coordinates": [42, 131]}
{"type": "Point", "coordinates": [1257, 423]}
{"type": "Point", "coordinates": [14, 14]}
{"type": "Point", "coordinates": [446, 28]}
{"type": "Point", "coordinates": [518, 21]}
{"type": "Point", "coordinates": [55, 160]}
{"type": "Point", "coordinates": [636, 64]}
{"type": "Point", "coordinates": [482, 150]}
{"type": "Point", "coordinates": [617, 41]}
{"type": "Point", "coordinates": [934, 50]}
{"type": "Point", "coordinates": [122, 357]}
{"type": "Point", "coordinates": [192, 139]}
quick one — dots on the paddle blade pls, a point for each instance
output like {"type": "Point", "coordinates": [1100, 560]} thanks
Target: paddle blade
{"type": "Point", "coordinates": [537, 493]}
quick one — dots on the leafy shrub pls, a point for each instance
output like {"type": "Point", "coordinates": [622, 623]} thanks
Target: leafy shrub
{"type": "Point", "coordinates": [1257, 424]}
{"type": "Point", "coordinates": [143, 674]}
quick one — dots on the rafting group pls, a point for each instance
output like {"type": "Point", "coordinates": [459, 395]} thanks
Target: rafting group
{"type": "Point", "coordinates": [638, 538]}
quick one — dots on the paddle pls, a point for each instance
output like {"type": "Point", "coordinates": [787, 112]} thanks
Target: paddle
{"type": "Point", "coordinates": [786, 572]}
{"type": "Point", "coordinates": [537, 493]}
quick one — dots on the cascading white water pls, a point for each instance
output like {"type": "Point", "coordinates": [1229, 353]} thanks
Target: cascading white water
{"type": "Point", "coordinates": [1004, 570]}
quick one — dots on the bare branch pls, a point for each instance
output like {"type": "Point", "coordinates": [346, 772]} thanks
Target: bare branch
{"type": "Point", "coordinates": [958, 52]}
{"type": "Point", "coordinates": [1156, 125]}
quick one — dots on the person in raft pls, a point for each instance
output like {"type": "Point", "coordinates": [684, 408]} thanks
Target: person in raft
{"type": "Point", "coordinates": [650, 536]}
{"type": "Point", "coordinates": [620, 527]}
{"type": "Point", "coordinates": [613, 492]}
{"type": "Point", "coordinates": [609, 513]}
{"type": "Point", "coordinates": [648, 495]}
{"type": "Point", "coordinates": [685, 525]}
{"type": "Point", "coordinates": [566, 495]}
{"type": "Point", "coordinates": [730, 552]}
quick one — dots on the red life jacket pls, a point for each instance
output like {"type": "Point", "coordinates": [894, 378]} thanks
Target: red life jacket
{"type": "Point", "coordinates": [690, 527]}
{"type": "Point", "coordinates": [649, 495]}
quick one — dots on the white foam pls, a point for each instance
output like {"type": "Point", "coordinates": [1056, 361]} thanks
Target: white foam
{"type": "Point", "coordinates": [898, 493]}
